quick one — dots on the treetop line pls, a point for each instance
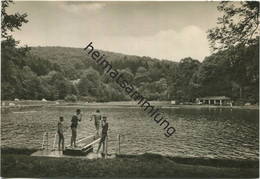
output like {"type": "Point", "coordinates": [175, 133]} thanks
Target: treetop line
{"type": "Point", "coordinates": [153, 112]}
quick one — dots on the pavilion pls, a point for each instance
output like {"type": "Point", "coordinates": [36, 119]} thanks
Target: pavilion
{"type": "Point", "coordinates": [215, 100]}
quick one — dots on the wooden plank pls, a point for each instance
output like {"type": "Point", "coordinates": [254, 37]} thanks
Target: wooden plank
{"type": "Point", "coordinates": [95, 141]}
{"type": "Point", "coordinates": [82, 140]}
{"type": "Point", "coordinates": [73, 152]}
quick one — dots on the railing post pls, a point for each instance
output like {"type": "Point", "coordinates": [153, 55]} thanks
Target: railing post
{"type": "Point", "coordinates": [118, 136]}
{"type": "Point", "coordinates": [54, 142]}
{"type": "Point", "coordinates": [47, 141]}
{"type": "Point", "coordinates": [106, 142]}
{"type": "Point", "coordinates": [43, 140]}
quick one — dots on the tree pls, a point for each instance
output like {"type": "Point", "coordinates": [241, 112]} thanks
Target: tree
{"type": "Point", "coordinates": [89, 83]}
{"type": "Point", "coordinates": [38, 65]}
{"type": "Point", "coordinates": [48, 91]}
{"type": "Point", "coordinates": [12, 63]}
{"type": "Point", "coordinates": [30, 84]}
{"type": "Point", "coordinates": [141, 76]}
{"type": "Point", "coordinates": [155, 72]}
{"type": "Point", "coordinates": [244, 68]}
{"type": "Point", "coordinates": [185, 71]}
{"type": "Point", "coordinates": [237, 26]}
{"type": "Point", "coordinates": [9, 22]}
{"type": "Point", "coordinates": [56, 86]}
{"type": "Point", "coordinates": [214, 76]}
{"type": "Point", "coordinates": [237, 39]}
{"type": "Point", "coordinates": [127, 74]}
{"type": "Point", "coordinates": [62, 85]}
{"type": "Point", "coordinates": [160, 87]}
{"type": "Point", "coordinates": [12, 60]}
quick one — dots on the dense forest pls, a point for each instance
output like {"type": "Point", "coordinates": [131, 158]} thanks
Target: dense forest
{"type": "Point", "coordinates": [68, 73]}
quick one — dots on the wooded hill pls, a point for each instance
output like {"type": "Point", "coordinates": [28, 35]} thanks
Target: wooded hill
{"type": "Point", "coordinates": [51, 73]}
{"type": "Point", "coordinates": [73, 60]}
{"type": "Point", "coordinates": [68, 73]}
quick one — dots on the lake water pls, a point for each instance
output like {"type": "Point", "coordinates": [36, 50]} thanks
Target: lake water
{"type": "Point", "coordinates": [205, 132]}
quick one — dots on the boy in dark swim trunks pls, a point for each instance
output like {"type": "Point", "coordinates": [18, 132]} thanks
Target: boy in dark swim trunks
{"type": "Point", "coordinates": [97, 119]}
{"type": "Point", "coordinates": [74, 123]}
{"type": "Point", "coordinates": [60, 133]}
{"type": "Point", "coordinates": [103, 133]}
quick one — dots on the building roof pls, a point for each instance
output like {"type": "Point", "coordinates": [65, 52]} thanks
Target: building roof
{"type": "Point", "coordinates": [215, 98]}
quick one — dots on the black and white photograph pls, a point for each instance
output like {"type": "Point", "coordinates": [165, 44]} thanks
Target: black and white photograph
{"type": "Point", "coordinates": [129, 89]}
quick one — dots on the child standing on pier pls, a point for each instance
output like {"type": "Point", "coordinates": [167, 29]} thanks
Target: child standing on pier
{"type": "Point", "coordinates": [76, 118]}
{"type": "Point", "coordinates": [97, 118]}
{"type": "Point", "coordinates": [103, 134]}
{"type": "Point", "coordinates": [60, 133]}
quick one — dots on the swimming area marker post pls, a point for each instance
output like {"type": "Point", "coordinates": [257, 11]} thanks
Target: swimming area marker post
{"type": "Point", "coordinates": [118, 137]}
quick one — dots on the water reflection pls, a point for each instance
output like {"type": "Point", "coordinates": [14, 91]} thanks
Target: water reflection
{"type": "Point", "coordinates": [207, 132]}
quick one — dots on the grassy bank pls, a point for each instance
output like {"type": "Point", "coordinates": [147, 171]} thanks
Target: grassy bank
{"type": "Point", "coordinates": [18, 163]}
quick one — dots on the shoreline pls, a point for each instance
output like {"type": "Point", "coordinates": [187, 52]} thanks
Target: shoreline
{"type": "Point", "coordinates": [145, 165]}
{"type": "Point", "coordinates": [132, 104]}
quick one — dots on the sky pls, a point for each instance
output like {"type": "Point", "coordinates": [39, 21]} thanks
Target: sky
{"type": "Point", "coordinates": [163, 30]}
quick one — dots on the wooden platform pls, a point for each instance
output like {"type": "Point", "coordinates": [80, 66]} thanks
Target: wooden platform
{"type": "Point", "coordinates": [86, 148]}
{"type": "Point", "coordinates": [59, 154]}
{"type": "Point", "coordinates": [78, 151]}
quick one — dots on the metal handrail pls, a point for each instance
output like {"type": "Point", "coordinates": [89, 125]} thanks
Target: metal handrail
{"type": "Point", "coordinates": [54, 141]}
{"type": "Point", "coordinates": [43, 139]}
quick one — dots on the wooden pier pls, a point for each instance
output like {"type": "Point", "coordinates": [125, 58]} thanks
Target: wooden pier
{"type": "Point", "coordinates": [85, 148]}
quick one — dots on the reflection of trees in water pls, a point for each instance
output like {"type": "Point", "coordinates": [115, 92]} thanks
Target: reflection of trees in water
{"type": "Point", "coordinates": [220, 134]}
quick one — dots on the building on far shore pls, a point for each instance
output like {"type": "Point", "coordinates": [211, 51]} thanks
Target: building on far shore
{"type": "Point", "coordinates": [214, 100]}
{"type": "Point", "coordinates": [173, 102]}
